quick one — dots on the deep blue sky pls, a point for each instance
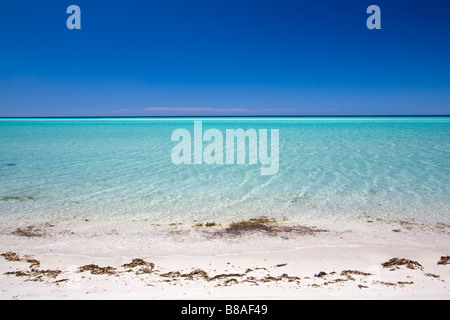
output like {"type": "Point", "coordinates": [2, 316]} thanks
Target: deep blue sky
{"type": "Point", "coordinates": [227, 57]}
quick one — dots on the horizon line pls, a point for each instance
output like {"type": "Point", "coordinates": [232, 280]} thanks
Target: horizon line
{"type": "Point", "coordinates": [230, 116]}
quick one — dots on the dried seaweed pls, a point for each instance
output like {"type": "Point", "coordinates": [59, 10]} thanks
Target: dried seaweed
{"type": "Point", "coordinates": [354, 272]}
{"type": "Point", "coordinates": [389, 284]}
{"type": "Point", "coordinates": [287, 277]}
{"type": "Point", "coordinates": [172, 274]}
{"type": "Point", "coordinates": [444, 260]}
{"type": "Point", "coordinates": [431, 275]}
{"type": "Point", "coordinates": [211, 224]}
{"type": "Point", "coordinates": [33, 262]}
{"type": "Point", "coordinates": [321, 274]}
{"type": "Point", "coordinates": [146, 267]}
{"type": "Point", "coordinates": [362, 287]}
{"type": "Point", "coordinates": [225, 275]}
{"type": "Point", "coordinates": [338, 280]}
{"type": "Point", "coordinates": [144, 271]}
{"type": "Point", "coordinates": [197, 273]}
{"type": "Point", "coordinates": [281, 265]}
{"type": "Point", "coordinates": [229, 282]}
{"type": "Point", "coordinates": [410, 264]}
{"type": "Point", "coordinates": [11, 256]}
{"type": "Point", "coordinates": [207, 224]}
{"type": "Point", "coordinates": [96, 270]}
{"type": "Point", "coordinates": [138, 263]}
{"type": "Point", "coordinates": [35, 274]}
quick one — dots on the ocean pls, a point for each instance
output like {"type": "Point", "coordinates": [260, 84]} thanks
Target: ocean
{"type": "Point", "coordinates": [330, 169]}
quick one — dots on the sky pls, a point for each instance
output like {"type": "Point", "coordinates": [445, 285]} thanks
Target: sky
{"type": "Point", "coordinates": [224, 57]}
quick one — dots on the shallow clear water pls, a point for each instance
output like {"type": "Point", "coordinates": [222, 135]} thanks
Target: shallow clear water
{"type": "Point", "coordinates": [121, 169]}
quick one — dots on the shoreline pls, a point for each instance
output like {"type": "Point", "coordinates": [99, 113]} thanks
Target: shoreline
{"type": "Point", "coordinates": [175, 262]}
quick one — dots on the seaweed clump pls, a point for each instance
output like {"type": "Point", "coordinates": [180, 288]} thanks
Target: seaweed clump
{"type": "Point", "coordinates": [354, 272]}
{"type": "Point", "coordinates": [210, 224]}
{"type": "Point", "coordinates": [197, 273]}
{"type": "Point", "coordinates": [29, 232]}
{"type": "Point", "coordinates": [11, 256]}
{"type": "Point", "coordinates": [96, 270]}
{"type": "Point", "coordinates": [321, 274]}
{"type": "Point", "coordinates": [395, 262]}
{"type": "Point", "coordinates": [207, 224]}
{"type": "Point", "coordinates": [32, 231]}
{"type": "Point", "coordinates": [138, 263]}
{"type": "Point", "coordinates": [265, 225]}
{"type": "Point", "coordinates": [35, 274]}
{"type": "Point", "coordinates": [200, 274]}
{"type": "Point", "coordinates": [17, 198]}
{"type": "Point", "coordinates": [444, 260]}
{"type": "Point", "coordinates": [14, 257]}
{"type": "Point", "coordinates": [146, 267]}
{"type": "Point", "coordinates": [257, 224]}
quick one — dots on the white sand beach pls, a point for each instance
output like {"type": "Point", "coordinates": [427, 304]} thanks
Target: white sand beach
{"type": "Point", "coordinates": [373, 259]}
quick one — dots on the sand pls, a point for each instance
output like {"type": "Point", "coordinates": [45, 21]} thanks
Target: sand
{"type": "Point", "coordinates": [186, 262]}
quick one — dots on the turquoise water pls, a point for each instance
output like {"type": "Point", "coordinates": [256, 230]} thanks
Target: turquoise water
{"type": "Point", "coordinates": [121, 169]}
